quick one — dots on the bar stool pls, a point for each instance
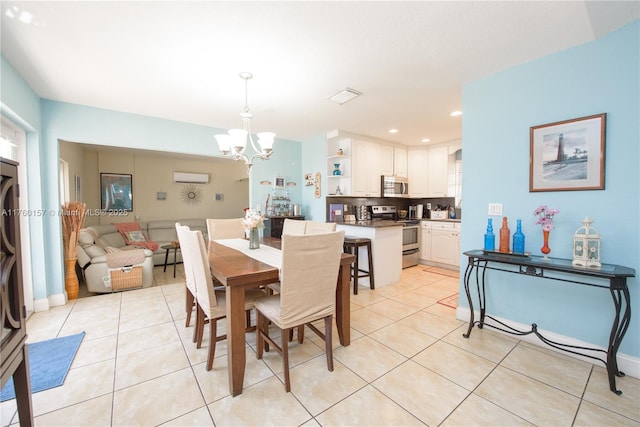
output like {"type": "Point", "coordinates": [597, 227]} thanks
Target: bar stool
{"type": "Point", "coordinates": [351, 246]}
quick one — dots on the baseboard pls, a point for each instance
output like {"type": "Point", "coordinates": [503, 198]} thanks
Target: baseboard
{"type": "Point", "coordinates": [628, 364]}
{"type": "Point", "coordinates": [44, 304]}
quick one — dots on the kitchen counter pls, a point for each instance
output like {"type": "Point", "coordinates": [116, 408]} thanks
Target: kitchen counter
{"type": "Point", "coordinates": [442, 220]}
{"type": "Point", "coordinates": [382, 223]}
{"type": "Point", "coordinates": [386, 245]}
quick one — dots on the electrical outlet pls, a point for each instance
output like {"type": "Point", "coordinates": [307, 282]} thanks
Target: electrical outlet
{"type": "Point", "coordinates": [429, 206]}
{"type": "Point", "coordinates": [495, 209]}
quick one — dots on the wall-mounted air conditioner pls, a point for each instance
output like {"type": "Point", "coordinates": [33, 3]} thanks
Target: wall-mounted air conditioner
{"type": "Point", "coordinates": [191, 178]}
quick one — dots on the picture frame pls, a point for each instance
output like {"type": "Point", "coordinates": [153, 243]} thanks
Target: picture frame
{"type": "Point", "coordinates": [279, 183]}
{"type": "Point", "coordinates": [568, 155]}
{"type": "Point", "coordinates": [116, 192]}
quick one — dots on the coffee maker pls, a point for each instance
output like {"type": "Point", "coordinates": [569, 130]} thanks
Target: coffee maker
{"type": "Point", "coordinates": [413, 212]}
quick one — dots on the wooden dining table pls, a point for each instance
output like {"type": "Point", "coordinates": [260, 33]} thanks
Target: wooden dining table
{"type": "Point", "coordinates": [239, 272]}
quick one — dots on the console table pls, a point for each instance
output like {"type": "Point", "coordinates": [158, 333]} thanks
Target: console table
{"type": "Point", "coordinates": [536, 266]}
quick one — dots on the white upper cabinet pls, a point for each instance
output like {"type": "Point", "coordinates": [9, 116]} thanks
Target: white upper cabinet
{"type": "Point", "coordinates": [428, 172]}
{"type": "Point", "coordinates": [365, 169]}
{"type": "Point", "coordinates": [400, 167]}
{"type": "Point", "coordinates": [386, 160]}
{"type": "Point", "coordinates": [417, 163]}
{"type": "Point", "coordinates": [437, 172]}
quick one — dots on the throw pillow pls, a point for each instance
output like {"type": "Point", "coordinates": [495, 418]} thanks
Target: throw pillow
{"type": "Point", "coordinates": [136, 236]}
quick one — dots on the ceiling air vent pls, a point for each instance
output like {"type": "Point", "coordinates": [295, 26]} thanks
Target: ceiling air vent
{"type": "Point", "coordinates": [345, 95]}
{"type": "Point", "coordinates": [191, 178]}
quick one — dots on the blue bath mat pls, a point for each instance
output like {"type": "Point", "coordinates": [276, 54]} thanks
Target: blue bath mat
{"type": "Point", "coordinates": [49, 362]}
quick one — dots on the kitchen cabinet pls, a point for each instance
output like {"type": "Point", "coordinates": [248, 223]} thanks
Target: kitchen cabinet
{"type": "Point", "coordinates": [417, 171]}
{"type": "Point", "coordinates": [440, 242]}
{"type": "Point", "coordinates": [425, 240]}
{"type": "Point", "coordinates": [400, 167]}
{"type": "Point", "coordinates": [428, 172]}
{"type": "Point", "coordinates": [437, 171]}
{"type": "Point", "coordinates": [365, 179]}
{"type": "Point", "coordinates": [387, 155]}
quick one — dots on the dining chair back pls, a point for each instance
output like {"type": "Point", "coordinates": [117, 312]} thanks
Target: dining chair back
{"type": "Point", "coordinates": [190, 285]}
{"type": "Point", "coordinates": [316, 227]}
{"type": "Point", "coordinates": [308, 278]}
{"type": "Point", "coordinates": [294, 226]}
{"type": "Point", "coordinates": [227, 228]}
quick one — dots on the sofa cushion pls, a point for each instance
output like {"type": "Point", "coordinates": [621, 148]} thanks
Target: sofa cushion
{"type": "Point", "coordinates": [94, 251]}
{"type": "Point", "coordinates": [136, 236]}
{"type": "Point", "coordinates": [111, 239]}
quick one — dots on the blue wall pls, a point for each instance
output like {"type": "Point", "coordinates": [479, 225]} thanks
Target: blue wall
{"type": "Point", "coordinates": [598, 77]}
{"type": "Point", "coordinates": [314, 159]}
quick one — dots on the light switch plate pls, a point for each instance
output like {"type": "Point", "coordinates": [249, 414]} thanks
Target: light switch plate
{"type": "Point", "coordinates": [495, 209]}
{"type": "Point", "coordinates": [429, 206]}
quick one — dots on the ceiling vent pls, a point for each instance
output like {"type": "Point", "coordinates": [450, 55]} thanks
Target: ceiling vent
{"type": "Point", "coordinates": [191, 178]}
{"type": "Point", "coordinates": [345, 95]}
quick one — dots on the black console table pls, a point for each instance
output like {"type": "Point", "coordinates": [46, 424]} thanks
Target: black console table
{"type": "Point", "coordinates": [536, 266]}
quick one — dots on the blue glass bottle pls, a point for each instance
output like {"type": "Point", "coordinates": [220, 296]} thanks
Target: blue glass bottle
{"type": "Point", "coordinates": [489, 237]}
{"type": "Point", "coordinates": [518, 239]}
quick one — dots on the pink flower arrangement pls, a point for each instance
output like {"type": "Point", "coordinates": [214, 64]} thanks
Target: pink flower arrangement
{"type": "Point", "coordinates": [253, 219]}
{"type": "Point", "coordinates": [545, 217]}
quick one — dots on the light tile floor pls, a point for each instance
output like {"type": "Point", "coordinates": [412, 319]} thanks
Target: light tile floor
{"type": "Point", "coordinates": [408, 364]}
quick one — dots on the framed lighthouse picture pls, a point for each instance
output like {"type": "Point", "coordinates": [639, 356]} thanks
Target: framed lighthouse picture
{"type": "Point", "coordinates": [568, 155]}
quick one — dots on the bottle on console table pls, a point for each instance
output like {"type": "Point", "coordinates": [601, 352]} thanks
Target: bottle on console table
{"type": "Point", "coordinates": [505, 236]}
{"type": "Point", "coordinates": [518, 238]}
{"type": "Point", "coordinates": [489, 237]}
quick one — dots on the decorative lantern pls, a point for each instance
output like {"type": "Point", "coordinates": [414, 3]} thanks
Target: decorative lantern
{"type": "Point", "coordinates": [586, 245]}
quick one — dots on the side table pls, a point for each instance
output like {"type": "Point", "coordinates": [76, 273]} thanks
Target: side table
{"type": "Point", "coordinates": [176, 247]}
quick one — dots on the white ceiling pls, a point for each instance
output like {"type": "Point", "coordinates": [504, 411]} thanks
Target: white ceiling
{"type": "Point", "coordinates": [180, 60]}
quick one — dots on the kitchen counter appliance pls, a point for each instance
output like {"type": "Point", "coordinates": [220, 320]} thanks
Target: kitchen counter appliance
{"type": "Point", "coordinates": [410, 233]}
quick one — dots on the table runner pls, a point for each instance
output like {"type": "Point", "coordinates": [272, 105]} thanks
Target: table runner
{"type": "Point", "coordinates": [264, 253]}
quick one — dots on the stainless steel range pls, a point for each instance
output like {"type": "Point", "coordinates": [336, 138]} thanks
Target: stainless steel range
{"type": "Point", "coordinates": [410, 233]}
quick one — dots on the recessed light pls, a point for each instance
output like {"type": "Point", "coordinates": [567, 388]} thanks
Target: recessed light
{"type": "Point", "coordinates": [456, 113]}
{"type": "Point", "coordinates": [425, 140]}
{"type": "Point", "coordinates": [393, 130]}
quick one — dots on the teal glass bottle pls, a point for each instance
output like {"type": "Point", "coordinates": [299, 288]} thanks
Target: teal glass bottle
{"type": "Point", "coordinates": [489, 237]}
{"type": "Point", "coordinates": [518, 239]}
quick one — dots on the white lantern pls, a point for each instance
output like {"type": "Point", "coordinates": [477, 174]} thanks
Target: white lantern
{"type": "Point", "coordinates": [586, 245]}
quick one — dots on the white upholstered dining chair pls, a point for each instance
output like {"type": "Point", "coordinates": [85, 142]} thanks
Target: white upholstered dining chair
{"type": "Point", "coordinates": [308, 278]}
{"type": "Point", "coordinates": [211, 305]}
{"type": "Point", "coordinates": [190, 286]}
{"type": "Point", "coordinates": [227, 228]}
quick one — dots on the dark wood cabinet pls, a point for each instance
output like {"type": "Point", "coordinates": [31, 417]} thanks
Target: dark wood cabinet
{"type": "Point", "coordinates": [277, 222]}
{"type": "Point", "coordinates": [14, 357]}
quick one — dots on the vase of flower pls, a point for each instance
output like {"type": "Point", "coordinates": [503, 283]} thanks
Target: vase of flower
{"type": "Point", "coordinates": [253, 222]}
{"type": "Point", "coordinates": [545, 218]}
{"type": "Point", "coordinates": [545, 249]}
{"type": "Point", "coordinates": [254, 238]}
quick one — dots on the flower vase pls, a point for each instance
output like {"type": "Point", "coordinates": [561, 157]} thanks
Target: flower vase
{"type": "Point", "coordinates": [254, 238]}
{"type": "Point", "coordinates": [545, 249]}
{"type": "Point", "coordinates": [71, 284]}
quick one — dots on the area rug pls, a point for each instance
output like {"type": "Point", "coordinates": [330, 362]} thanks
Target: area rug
{"type": "Point", "coordinates": [450, 301]}
{"type": "Point", "coordinates": [49, 362]}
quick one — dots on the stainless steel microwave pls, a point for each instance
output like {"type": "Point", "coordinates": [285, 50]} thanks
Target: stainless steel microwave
{"type": "Point", "coordinates": [394, 186]}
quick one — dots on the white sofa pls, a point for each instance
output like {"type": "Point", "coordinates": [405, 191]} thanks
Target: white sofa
{"type": "Point", "coordinates": [95, 240]}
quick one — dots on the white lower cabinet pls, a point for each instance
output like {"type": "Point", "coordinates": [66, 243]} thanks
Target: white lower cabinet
{"type": "Point", "coordinates": [440, 242]}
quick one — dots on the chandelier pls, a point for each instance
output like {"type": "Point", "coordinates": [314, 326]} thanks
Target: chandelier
{"type": "Point", "coordinates": [234, 142]}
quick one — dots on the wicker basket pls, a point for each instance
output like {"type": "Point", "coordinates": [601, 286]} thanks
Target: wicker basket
{"type": "Point", "coordinates": [126, 278]}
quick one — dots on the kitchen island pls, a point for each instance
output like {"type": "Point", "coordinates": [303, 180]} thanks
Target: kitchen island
{"type": "Point", "coordinates": [386, 244]}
